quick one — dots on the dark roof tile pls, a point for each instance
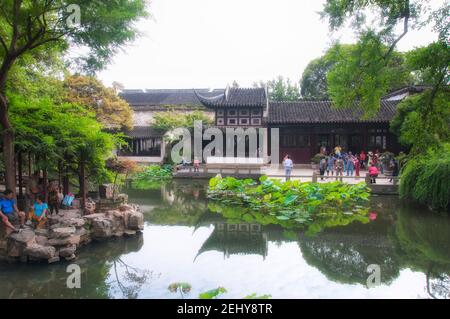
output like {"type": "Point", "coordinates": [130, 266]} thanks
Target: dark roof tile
{"type": "Point", "coordinates": [323, 112]}
{"type": "Point", "coordinates": [174, 97]}
{"type": "Point", "coordinates": [235, 97]}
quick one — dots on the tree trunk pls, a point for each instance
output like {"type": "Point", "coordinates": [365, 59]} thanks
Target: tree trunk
{"type": "Point", "coordinates": [19, 170]}
{"type": "Point", "coordinates": [30, 169]}
{"type": "Point", "coordinates": [82, 181]}
{"type": "Point", "coordinates": [8, 147]}
{"type": "Point", "coordinates": [45, 184]}
{"type": "Point", "coordinates": [7, 131]}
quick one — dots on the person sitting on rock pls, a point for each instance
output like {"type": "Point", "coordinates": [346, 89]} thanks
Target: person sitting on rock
{"type": "Point", "coordinates": [38, 214]}
{"type": "Point", "coordinates": [10, 214]}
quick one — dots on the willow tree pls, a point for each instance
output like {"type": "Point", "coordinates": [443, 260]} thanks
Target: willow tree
{"type": "Point", "coordinates": [29, 27]}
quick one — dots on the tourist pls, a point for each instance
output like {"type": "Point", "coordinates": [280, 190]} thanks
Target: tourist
{"type": "Point", "coordinates": [196, 165]}
{"type": "Point", "coordinates": [395, 169]}
{"type": "Point", "coordinates": [330, 165]}
{"type": "Point", "coordinates": [339, 166]}
{"type": "Point", "coordinates": [350, 164]}
{"type": "Point", "coordinates": [322, 166]}
{"type": "Point", "coordinates": [373, 173]}
{"type": "Point", "coordinates": [337, 150]}
{"type": "Point", "coordinates": [369, 159]}
{"type": "Point", "coordinates": [362, 160]}
{"type": "Point", "coordinates": [288, 165]}
{"type": "Point", "coordinates": [10, 214]}
{"type": "Point", "coordinates": [39, 212]}
{"type": "Point", "coordinates": [357, 163]}
{"type": "Point", "coordinates": [53, 198]}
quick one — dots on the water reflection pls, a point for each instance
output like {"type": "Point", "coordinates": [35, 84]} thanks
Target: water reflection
{"type": "Point", "coordinates": [394, 237]}
{"type": "Point", "coordinates": [97, 262]}
{"type": "Point", "coordinates": [188, 239]}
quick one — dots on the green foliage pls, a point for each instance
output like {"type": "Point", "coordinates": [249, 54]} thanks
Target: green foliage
{"type": "Point", "coordinates": [290, 204]}
{"type": "Point", "coordinates": [212, 294]}
{"type": "Point", "coordinates": [361, 74]}
{"type": "Point", "coordinates": [255, 296]}
{"type": "Point", "coordinates": [314, 79]}
{"type": "Point", "coordinates": [339, 59]}
{"type": "Point", "coordinates": [316, 159]}
{"type": "Point", "coordinates": [152, 177]}
{"type": "Point", "coordinates": [280, 89]}
{"type": "Point", "coordinates": [426, 179]}
{"type": "Point", "coordinates": [167, 121]}
{"type": "Point", "coordinates": [112, 111]}
{"type": "Point", "coordinates": [60, 132]}
{"type": "Point", "coordinates": [365, 76]}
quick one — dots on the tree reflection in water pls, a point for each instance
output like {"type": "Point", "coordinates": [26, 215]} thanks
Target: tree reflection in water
{"type": "Point", "coordinates": [393, 236]}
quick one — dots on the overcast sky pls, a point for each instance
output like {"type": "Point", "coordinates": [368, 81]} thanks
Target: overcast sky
{"type": "Point", "coordinates": [211, 43]}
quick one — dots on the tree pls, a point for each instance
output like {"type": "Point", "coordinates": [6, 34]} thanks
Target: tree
{"type": "Point", "coordinates": [33, 27]}
{"type": "Point", "coordinates": [112, 111]}
{"type": "Point", "coordinates": [422, 121]}
{"type": "Point", "coordinates": [364, 75]}
{"type": "Point", "coordinates": [62, 133]}
{"type": "Point", "coordinates": [280, 89]}
{"type": "Point", "coordinates": [314, 84]}
{"type": "Point", "coordinates": [167, 121]}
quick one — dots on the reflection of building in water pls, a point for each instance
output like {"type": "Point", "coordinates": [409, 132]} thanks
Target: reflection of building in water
{"type": "Point", "coordinates": [236, 239]}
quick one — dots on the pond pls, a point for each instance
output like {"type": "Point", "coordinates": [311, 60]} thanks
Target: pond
{"type": "Point", "coordinates": [186, 240]}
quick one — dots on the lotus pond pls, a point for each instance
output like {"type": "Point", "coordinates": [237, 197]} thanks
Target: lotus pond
{"type": "Point", "coordinates": [202, 242]}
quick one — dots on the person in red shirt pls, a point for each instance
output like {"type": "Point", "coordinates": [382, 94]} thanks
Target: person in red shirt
{"type": "Point", "coordinates": [362, 159]}
{"type": "Point", "coordinates": [373, 172]}
{"type": "Point", "coordinates": [357, 166]}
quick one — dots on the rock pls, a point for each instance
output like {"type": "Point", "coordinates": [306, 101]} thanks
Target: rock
{"type": "Point", "coordinates": [71, 257]}
{"type": "Point", "coordinates": [24, 236]}
{"type": "Point", "coordinates": [67, 251]}
{"type": "Point", "coordinates": [85, 236]}
{"type": "Point", "coordinates": [107, 191]}
{"type": "Point", "coordinates": [90, 208]}
{"type": "Point", "coordinates": [41, 240]}
{"type": "Point", "coordinates": [62, 232]}
{"type": "Point", "coordinates": [18, 242]}
{"type": "Point", "coordinates": [40, 252]}
{"type": "Point", "coordinates": [102, 227]}
{"type": "Point", "coordinates": [72, 240]}
{"type": "Point", "coordinates": [136, 221]}
{"type": "Point", "coordinates": [41, 232]}
{"type": "Point", "coordinates": [53, 260]}
{"type": "Point", "coordinates": [74, 222]}
{"type": "Point", "coordinates": [130, 232]}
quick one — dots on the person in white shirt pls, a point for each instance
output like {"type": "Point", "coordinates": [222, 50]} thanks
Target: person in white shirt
{"type": "Point", "coordinates": [288, 165]}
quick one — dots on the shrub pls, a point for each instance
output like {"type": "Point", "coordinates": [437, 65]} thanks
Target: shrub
{"type": "Point", "coordinates": [426, 179]}
{"type": "Point", "coordinates": [152, 176]}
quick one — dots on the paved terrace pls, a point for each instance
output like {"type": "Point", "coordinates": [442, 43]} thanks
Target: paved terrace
{"type": "Point", "coordinates": [300, 172]}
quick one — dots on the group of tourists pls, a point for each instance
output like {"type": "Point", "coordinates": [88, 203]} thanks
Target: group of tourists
{"type": "Point", "coordinates": [39, 208]}
{"type": "Point", "coordinates": [339, 163]}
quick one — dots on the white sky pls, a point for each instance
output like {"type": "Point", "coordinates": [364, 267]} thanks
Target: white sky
{"type": "Point", "coordinates": [210, 43]}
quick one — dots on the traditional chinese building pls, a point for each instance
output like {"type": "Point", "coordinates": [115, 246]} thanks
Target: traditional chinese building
{"type": "Point", "coordinates": [304, 126]}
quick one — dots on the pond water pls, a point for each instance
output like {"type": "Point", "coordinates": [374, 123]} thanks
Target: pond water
{"type": "Point", "coordinates": [184, 240]}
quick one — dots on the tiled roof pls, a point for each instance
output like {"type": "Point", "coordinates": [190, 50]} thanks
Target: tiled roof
{"type": "Point", "coordinates": [322, 112]}
{"type": "Point", "coordinates": [173, 97]}
{"type": "Point", "coordinates": [143, 132]}
{"type": "Point", "coordinates": [235, 97]}
{"type": "Point", "coordinates": [410, 89]}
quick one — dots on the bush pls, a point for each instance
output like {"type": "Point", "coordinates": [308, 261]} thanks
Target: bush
{"type": "Point", "coordinates": [426, 179]}
{"type": "Point", "coordinates": [152, 177]}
